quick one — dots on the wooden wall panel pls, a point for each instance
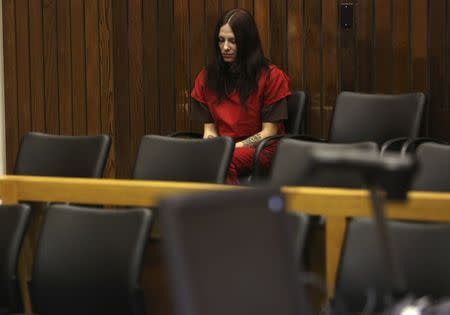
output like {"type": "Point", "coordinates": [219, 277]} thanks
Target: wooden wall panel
{"type": "Point", "coordinates": [10, 77]}
{"type": "Point", "coordinates": [364, 46]}
{"type": "Point", "coordinates": [137, 109]}
{"type": "Point", "coordinates": [313, 66]}
{"type": "Point", "coordinates": [23, 67]}
{"type": "Point", "coordinates": [64, 56]}
{"type": "Point", "coordinates": [199, 43]}
{"type": "Point", "coordinates": [246, 4]}
{"type": "Point", "coordinates": [106, 79]}
{"type": "Point", "coordinates": [121, 134]}
{"type": "Point", "coordinates": [438, 66]}
{"type": "Point", "coordinates": [295, 43]}
{"type": "Point", "coordinates": [347, 56]}
{"type": "Point", "coordinates": [262, 19]}
{"type": "Point", "coordinates": [383, 46]}
{"type": "Point", "coordinates": [182, 70]}
{"type": "Point", "coordinates": [50, 67]}
{"type": "Point", "coordinates": [126, 67]}
{"type": "Point", "coordinates": [166, 72]}
{"type": "Point", "coordinates": [92, 67]}
{"type": "Point", "coordinates": [401, 47]}
{"type": "Point", "coordinates": [227, 4]}
{"type": "Point", "coordinates": [151, 65]}
{"type": "Point", "coordinates": [329, 62]}
{"type": "Point", "coordinates": [78, 66]}
{"type": "Point", "coordinates": [278, 29]}
{"type": "Point", "coordinates": [37, 77]}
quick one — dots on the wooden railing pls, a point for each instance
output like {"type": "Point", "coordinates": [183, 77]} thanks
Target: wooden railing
{"type": "Point", "coordinates": [335, 205]}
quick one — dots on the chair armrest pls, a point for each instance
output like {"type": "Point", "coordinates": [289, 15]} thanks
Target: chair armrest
{"type": "Point", "coordinates": [412, 144]}
{"type": "Point", "coordinates": [256, 173]}
{"type": "Point", "coordinates": [306, 138]}
{"type": "Point", "coordinates": [389, 144]}
{"type": "Point", "coordinates": [185, 134]}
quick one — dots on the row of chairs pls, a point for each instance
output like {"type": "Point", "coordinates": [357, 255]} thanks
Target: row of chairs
{"type": "Point", "coordinates": [356, 117]}
{"type": "Point", "coordinates": [149, 153]}
{"type": "Point", "coordinates": [88, 260]}
{"type": "Point", "coordinates": [291, 150]}
{"type": "Point", "coordinates": [158, 157]}
{"type": "Point", "coordinates": [387, 120]}
{"type": "Point", "coordinates": [79, 282]}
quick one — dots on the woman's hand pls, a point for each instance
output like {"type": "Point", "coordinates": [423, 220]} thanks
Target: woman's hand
{"type": "Point", "coordinates": [268, 129]}
{"type": "Point", "coordinates": [209, 131]}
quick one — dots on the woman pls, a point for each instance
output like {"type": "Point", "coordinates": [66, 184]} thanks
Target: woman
{"type": "Point", "coordinates": [240, 94]}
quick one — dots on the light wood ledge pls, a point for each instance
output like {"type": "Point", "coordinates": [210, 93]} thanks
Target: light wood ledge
{"type": "Point", "coordinates": [335, 205]}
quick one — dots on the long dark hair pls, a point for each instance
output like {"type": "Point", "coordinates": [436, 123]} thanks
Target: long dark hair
{"type": "Point", "coordinates": [244, 72]}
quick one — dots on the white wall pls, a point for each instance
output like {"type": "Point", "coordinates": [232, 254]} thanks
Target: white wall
{"type": "Point", "coordinates": [2, 101]}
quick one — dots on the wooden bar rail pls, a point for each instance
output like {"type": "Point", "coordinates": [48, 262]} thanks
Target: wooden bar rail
{"type": "Point", "coordinates": [336, 205]}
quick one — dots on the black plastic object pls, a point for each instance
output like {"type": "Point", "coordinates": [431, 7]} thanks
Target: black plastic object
{"type": "Point", "coordinates": [392, 172]}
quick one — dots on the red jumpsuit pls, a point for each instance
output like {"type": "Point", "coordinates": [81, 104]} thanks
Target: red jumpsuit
{"type": "Point", "coordinates": [240, 122]}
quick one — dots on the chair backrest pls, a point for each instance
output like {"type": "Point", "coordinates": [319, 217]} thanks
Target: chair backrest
{"type": "Point", "coordinates": [13, 223]}
{"type": "Point", "coordinates": [296, 104]}
{"type": "Point", "coordinates": [375, 117]}
{"type": "Point", "coordinates": [179, 159]}
{"type": "Point", "coordinates": [292, 162]}
{"type": "Point", "coordinates": [297, 225]}
{"type": "Point", "coordinates": [228, 253]}
{"type": "Point", "coordinates": [421, 250]}
{"type": "Point", "coordinates": [66, 156]}
{"type": "Point", "coordinates": [434, 170]}
{"type": "Point", "coordinates": [88, 261]}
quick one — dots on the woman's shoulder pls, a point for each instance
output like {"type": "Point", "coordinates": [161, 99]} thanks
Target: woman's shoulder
{"type": "Point", "coordinates": [273, 74]}
{"type": "Point", "coordinates": [201, 76]}
{"type": "Point", "coordinates": [273, 70]}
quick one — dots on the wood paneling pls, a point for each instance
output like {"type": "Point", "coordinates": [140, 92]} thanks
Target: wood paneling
{"type": "Point", "coordinates": [64, 56]}
{"type": "Point", "coordinates": [50, 67]}
{"type": "Point", "coordinates": [126, 67]}
{"type": "Point", "coordinates": [37, 75]}
{"type": "Point", "coordinates": [78, 44]}
{"type": "Point", "coordinates": [10, 69]}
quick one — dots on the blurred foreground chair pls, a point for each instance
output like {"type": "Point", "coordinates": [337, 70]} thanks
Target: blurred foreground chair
{"type": "Point", "coordinates": [64, 156]}
{"type": "Point", "coordinates": [179, 159]}
{"type": "Point", "coordinates": [434, 170]}
{"type": "Point", "coordinates": [88, 261]}
{"type": "Point", "coordinates": [290, 166]}
{"type": "Point", "coordinates": [422, 252]}
{"type": "Point", "coordinates": [13, 223]}
{"type": "Point", "coordinates": [228, 253]}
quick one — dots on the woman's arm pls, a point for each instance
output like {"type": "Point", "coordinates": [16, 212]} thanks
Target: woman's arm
{"type": "Point", "coordinates": [268, 129]}
{"type": "Point", "coordinates": [209, 130]}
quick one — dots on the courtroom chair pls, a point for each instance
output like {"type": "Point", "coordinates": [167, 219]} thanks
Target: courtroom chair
{"type": "Point", "coordinates": [228, 253]}
{"type": "Point", "coordinates": [13, 223]}
{"type": "Point", "coordinates": [375, 117]}
{"type": "Point", "coordinates": [294, 125]}
{"type": "Point", "coordinates": [43, 154]}
{"type": "Point", "coordinates": [297, 225]}
{"type": "Point", "coordinates": [89, 261]}
{"type": "Point", "coordinates": [434, 170]}
{"type": "Point", "coordinates": [290, 166]}
{"type": "Point", "coordinates": [179, 159]}
{"type": "Point", "coordinates": [421, 250]}
{"type": "Point", "coordinates": [296, 104]}
{"type": "Point", "coordinates": [361, 117]}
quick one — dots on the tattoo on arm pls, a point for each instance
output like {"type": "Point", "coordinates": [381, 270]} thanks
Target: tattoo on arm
{"type": "Point", "coordinates": [252, 141]}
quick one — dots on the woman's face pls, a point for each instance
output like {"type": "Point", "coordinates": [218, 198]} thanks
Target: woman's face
{"type": "Point", "coordinates": [227, 43]}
